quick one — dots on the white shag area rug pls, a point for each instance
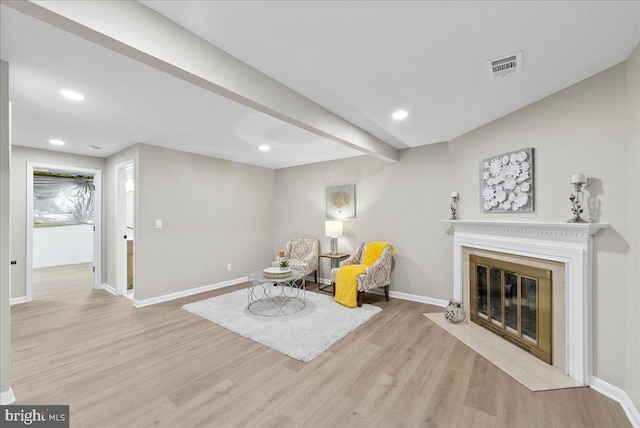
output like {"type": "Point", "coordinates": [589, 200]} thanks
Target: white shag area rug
{"type": "Point", "coordinates": [303, 335]}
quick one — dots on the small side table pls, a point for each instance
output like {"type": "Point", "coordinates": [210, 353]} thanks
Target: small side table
{"type": "Point", "coordinates": [335, 261]}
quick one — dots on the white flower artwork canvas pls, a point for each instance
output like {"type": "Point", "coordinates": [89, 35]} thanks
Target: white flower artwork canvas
{"type": "Point", "coordinates": [507, 182]}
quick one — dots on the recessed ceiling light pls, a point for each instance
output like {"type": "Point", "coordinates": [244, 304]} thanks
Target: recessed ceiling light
{"type": "Point", "coordinates": [72, 95]}
{"type": "Point", "coordinates": [264, 148]}
{"type": "Point", "coordinates": [56, 142]}
{"type": "Point", "coordinates": [400, 114]}
{"type": "Point", "coordinates": [95, 147]}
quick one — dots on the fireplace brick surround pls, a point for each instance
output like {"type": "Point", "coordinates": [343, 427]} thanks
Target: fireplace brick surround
{"type": "Point", "coordinates": [567, 247]}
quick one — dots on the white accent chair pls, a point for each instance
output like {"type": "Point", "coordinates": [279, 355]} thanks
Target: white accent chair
{"type": "Point", "coordinates": [377, 275]}
{"type": "Point", "coordinates": [302, 254]}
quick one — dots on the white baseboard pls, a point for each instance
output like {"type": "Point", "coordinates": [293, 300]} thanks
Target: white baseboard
{"type": "Point", "coordinates": [421, 299]}
{"type": "Point", "coordinates": [185, 293]}
{"type": "Point", "coordinates": [7, 397]}
{"type": "Point", "coordinates": [399, 295]}
{"type": "Point", "coordinates": [18, 300]}
{"type": "Point", "coordinates": [109, 289]}
{"type": "Point", "coordinates": [618, 395]}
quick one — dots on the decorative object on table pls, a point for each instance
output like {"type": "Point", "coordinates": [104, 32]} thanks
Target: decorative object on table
{"type": "Point", "coordinates": [455, 196]}
{"type": "Point", "coordinates": [454, 311]}
{"type": "Point", "coordinates": [276, 272]}
{"type": "Point", "coordinates": [576, 198]}
{"type": "Point", "coordinates": [281, 254]}
{"type": "Point", "coordinates": [333, 230]}
{"type": "Point", "coordinates": [284, 264]}
{"type": "Point", "coordinates": [303, 335]}
{"type": "Point", "coordinates": [341, 201]}
{"type": "Point", "coordinates": [302, 253]}
{"type": "Point", "coordinates": [507, 182]}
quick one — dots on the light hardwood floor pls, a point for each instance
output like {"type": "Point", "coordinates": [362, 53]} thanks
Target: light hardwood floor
{"type": "Point", "coordinates": [117, 366]}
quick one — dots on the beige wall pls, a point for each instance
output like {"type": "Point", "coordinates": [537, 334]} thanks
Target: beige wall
{"type": "Point", "coordinates": [585, 128]}
{"type": "Point", "coordinates": [632, 294]}
{"type": "Point", "coordinates": [401, 202]}
{"type": "Point", "coordinates": [232, 202]}
{"type": "Point", "coordinates": [19, 159]}
{"type": "Point", "coordinates": [213, 212]}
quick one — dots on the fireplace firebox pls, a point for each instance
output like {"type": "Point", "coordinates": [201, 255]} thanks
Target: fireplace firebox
{"type": "Point", "coordinates": [513, 301]}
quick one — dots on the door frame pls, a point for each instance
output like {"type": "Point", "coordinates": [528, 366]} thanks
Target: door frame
{"type": "Point", "coordinates": [97, 221]}
{"type": "Point", "coordinates": [120, 224]}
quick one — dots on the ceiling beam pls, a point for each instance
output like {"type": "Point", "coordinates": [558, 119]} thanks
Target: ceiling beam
{"type": "Point", "coordinates": [130, 28]}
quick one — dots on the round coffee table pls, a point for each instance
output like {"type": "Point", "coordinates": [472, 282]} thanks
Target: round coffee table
{"type": "Point", "coordinates": [270, 297]}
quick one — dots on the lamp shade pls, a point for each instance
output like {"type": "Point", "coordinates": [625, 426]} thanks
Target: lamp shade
{"type": "Point", "coordinates": [333, 229]}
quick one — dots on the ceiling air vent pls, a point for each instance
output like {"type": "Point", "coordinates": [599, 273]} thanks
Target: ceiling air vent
{"type": "Point", "coordinates": [500, 67]}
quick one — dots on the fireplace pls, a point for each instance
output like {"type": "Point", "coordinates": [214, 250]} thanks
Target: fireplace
{"type": "Point", "coordinates": [546, 245]}
{"type": "Point", "coordinates": [513, 301]}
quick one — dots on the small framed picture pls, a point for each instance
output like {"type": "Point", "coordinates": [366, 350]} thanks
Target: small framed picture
{"type": "Point", "coordinates": [341, 201]}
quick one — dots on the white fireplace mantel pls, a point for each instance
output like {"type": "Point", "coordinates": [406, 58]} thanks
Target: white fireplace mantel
{"type": "Point", "coordinates": [568, 243]}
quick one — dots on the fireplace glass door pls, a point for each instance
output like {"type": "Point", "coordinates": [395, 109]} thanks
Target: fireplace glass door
{"type": "Point", "coordinates": [513, 301]}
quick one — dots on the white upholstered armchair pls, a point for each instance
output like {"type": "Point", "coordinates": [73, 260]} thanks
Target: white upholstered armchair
{"type": "Point", "coordinates": [377, 275]}
{"type": "Point", "coordinates": [302, 254]}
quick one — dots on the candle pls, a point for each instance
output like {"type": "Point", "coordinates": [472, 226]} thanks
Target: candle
{"type": "Point", "coordinates": [454, 194]}
{"type": "Point", "coordinates": [578, 178]}
{"type": "Point", "coordinates": [281, 253]}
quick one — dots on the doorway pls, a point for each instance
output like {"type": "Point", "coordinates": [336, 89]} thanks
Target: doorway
{"type": "Point", "coordinates": [125, 228]}
{"type": "Point", "coordinates": [64, 221]}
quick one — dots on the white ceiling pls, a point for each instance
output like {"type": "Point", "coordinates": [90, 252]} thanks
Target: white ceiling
{"type": "Point", "coordinates": [127, 102]}
{"type": "Point", "coordinates": [361, 60]}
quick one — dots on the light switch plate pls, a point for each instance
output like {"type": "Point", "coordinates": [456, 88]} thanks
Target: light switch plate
{"type": "Point", "coordinates": [158, 223]}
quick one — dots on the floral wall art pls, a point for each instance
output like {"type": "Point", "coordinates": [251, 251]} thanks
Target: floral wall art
{"type": "Point", "coordinates": [341, 202]}
{"type": "Point", "coordinates": [507, 182]}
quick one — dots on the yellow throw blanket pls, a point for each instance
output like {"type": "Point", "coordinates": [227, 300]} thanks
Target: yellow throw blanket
{"type": "Point", "coordinates": [347, 276]}
{"type": "Point", "coordinates": [347, 284]}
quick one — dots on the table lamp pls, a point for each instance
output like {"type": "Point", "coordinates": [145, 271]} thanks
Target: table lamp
{"type": "Point", "coordinates": [333, 229]}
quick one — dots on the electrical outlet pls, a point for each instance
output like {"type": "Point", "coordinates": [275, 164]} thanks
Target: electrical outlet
{"type": "Point", "coordinates": [158, 223]}
{"type": "Point", "coordinates": [228, 266]}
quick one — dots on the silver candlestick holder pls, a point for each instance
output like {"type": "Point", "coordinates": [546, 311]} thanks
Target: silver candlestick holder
{"type": "Point", "coordinates": [576, 199]}
{"type": "Point", "coordinates": [454, 205]}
